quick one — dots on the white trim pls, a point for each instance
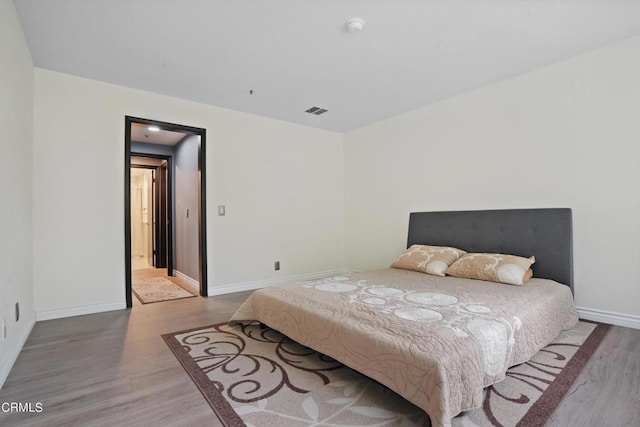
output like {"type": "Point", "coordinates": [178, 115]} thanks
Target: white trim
{"type": "Point", "coordinates": [8, 363]}
{"type": "Point", "coordinates": [79, 310]}
{"type": "Point", "coordinates": [620, 319]}
{"type": "Point", "coordinates": [192, 282]}
{"type": "Point", "coordinates": [249, 286]}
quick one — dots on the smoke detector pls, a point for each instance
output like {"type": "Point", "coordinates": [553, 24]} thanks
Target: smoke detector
{"type": "Point", "coordinates": [355, 24]}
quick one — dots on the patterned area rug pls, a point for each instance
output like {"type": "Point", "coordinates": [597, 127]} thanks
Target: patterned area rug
{"type": "Point", "coordinates": [255, 376]}
{"type": "Point", "coordinates": [156, 289]}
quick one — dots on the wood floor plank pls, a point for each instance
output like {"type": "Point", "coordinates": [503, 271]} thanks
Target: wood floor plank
{"type": "Point", "coordinates": [607, 393]}
{"type": "Point", "coordinates": [114, 368]}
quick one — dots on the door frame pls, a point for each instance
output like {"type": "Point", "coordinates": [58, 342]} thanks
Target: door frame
{"type": "Point", "coordinates": [202, 215]}
{"type": "Point", "coordinates": [168, 200]}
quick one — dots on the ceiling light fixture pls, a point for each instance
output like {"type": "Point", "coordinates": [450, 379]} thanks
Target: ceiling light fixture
{"type": "Point", "coordinates": [154, 128]}
{"type": "Point", "coordinates": [355, 24]}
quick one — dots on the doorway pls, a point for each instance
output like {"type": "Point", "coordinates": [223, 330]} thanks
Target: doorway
{"type": "Point", "coordinates": [160, 234]}
{"type": "Point", "coordinates": [142, 233]}
{"type": "Point", "coordinates": [151, 212]}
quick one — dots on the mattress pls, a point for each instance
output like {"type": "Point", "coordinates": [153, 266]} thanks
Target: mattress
{"type": "Point", "coordinates": [436, 341]}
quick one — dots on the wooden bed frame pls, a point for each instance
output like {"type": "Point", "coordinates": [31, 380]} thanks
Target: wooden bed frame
{"type": "Point", "coordinates": [544, 233]}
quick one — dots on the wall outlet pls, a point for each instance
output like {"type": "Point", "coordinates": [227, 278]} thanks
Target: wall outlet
{"type": "Point", "coordinates": [17, 312]}
{"type": "Point", "coordinates": [276, 265]}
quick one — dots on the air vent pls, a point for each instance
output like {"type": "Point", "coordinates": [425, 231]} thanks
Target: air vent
{"type": "Point", "coordinates": [316, 110]}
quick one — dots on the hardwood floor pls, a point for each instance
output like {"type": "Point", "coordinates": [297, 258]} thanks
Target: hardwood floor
{"type": "Point", "coordinates": [113, 368]}
{"type": "Point", "coordinates": [607, 393]}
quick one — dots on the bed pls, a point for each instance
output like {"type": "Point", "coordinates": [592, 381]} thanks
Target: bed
{"type": "Point", "coordinates": [436, 341]}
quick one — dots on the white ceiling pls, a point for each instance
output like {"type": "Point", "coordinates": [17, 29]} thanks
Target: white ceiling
{"type": "Point", "coordinates": [141, 133]}
{"type": "Point", "coordinates": [295, 54]}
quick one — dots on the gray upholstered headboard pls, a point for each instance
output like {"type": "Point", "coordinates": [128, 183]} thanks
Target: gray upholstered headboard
{"type": "Point", "coordinates": [545, 233]}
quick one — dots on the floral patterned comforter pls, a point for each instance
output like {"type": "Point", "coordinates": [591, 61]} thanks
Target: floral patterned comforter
{"type": "Point", "coordinates": [436, 341]}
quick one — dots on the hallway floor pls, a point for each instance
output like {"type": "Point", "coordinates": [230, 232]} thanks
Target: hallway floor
{"type": "Point", "coordinates": [148, 272]}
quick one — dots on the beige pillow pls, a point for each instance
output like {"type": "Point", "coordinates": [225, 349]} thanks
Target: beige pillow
{"type": "Point", "coordinates": [492, 267]}
{"type": "Point", "coordinates": [428, 259]}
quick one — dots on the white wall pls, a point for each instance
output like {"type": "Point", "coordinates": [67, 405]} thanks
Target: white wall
{"type": "Point", "coordinates": [563, 136]}
{"type": "Point", "coordinates": [281, 183]}
{"type": "Point", "coordinates": [16, 168]}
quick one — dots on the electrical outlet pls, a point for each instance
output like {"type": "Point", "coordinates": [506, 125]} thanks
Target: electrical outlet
{"type": "Point", "coordinates": [17, 312]}
{"type": "Point", "coordinates": [276, 265]}
{"type": "Point", "coordinates": [221, 210]}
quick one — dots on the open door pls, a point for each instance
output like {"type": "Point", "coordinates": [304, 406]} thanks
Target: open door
{"type": "Point", "coordinates": [161, 215]}
{"type": "Point", "coordinates": [150, 220]}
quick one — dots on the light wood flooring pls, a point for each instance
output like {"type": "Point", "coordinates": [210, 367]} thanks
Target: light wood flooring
{"type": "Point", "coordinates": [113, 369]}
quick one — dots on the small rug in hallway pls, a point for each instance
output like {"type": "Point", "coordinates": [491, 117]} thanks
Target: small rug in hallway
{"type": "Point", "coordinates": [156, 289]}
{"type": "Point", "coordinates": [256, 376]}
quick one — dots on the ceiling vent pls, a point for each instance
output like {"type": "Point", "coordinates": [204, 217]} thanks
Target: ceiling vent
{"type": "Point", "coordinates": [316, 110]}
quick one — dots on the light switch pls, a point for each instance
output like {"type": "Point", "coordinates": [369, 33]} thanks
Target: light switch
{"type": "Point", "coordinates": [220, 210]}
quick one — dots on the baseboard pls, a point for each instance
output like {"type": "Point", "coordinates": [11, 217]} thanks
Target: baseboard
{"type": "Point", "coordinates": [620, 319]}
{"type": "Point", "coordinates": [249, 286]}
{"type": "Point", "coordinates": [7, 364]}
{"type": "Point", "coordinates": [192, 282]}
{"type": "Point", "coordinates": [79, 310]}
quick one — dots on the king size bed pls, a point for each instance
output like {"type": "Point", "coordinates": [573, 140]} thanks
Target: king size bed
{"type": "Point", "coordinates": [438, 341]}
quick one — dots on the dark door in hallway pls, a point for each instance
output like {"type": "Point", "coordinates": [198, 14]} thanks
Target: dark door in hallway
{"type": "Point", "coordinates": [161, 217]}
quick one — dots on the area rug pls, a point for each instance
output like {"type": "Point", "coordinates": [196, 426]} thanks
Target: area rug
{"type": "Point", "coordinates": [255, 376]}
{"type": "Point", "coordinates": [156, 289]}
